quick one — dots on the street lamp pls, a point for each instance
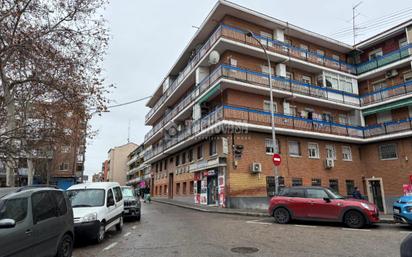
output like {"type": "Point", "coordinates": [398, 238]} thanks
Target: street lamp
{"type": "Point", "coordinates": [272, 118]}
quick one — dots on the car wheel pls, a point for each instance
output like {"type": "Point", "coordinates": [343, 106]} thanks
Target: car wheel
{"type": "Point", "coordinates": [65, 246]}
{"type": "Point", "coordinates": [281, 215]}
{"type": "Point", "coordinates": [119, 226]}
{"type": "Point", "coordinates": [138, 217]}
{"type": "Point", "coordinates": [101, 233]}
{"type": "Point", "coordinates": [354, 219]}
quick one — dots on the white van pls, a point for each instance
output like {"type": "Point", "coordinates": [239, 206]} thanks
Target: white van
{"type": "Point", "coordinates": [97, 207]}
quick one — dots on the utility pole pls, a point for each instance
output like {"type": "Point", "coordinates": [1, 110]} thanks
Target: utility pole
{"type": "Point", "coordinates": [354, 15]}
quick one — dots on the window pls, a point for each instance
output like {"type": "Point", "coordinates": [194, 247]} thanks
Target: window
{"type": "Point", "coordinates": [200, 152]}
{"type": "Point", "coordinates": [265, 70]}
{"type": "Point", "coordinates": [15, 209]}
{"type": "Point", "coordinates": [43, 206]}
{"type": "Point", "coordinates": [183, 157]}
{"type": "Point", "coordinates": [165, 163]}
{"type": "Point", "coordinates": [192, 183]}
{"type": "Point", "coordinates": [160, 165]}
{"type": "Point", "coordinates": [157, 167]}
{"type": "Point", "coordinates": [350, 186]}
{"type": "Point", "coordinates": [306, 79]}
{"type": "Point", "coordinates": [313, 150]}
{"type": "Point", "coordinates": [296, 192]}
{"type": "Point", "coordinates": [407, 77]}
{"type": "Point", "coordinates": [118, 194]}
{"type": "Point", "coordinates": [88, 197]}
{"type": "Point", "coordinates": [289, 75]}
{"type": "Point", "coordinates": [379, 86]}
{"type": "Point", "coordinates": [346, 153]}
{"type": "Point", "coordinates": [375, 53]}
{"type": "Point", "coordinates": [296, 182]}
{"type": "Point", "coordinates": [316, 193]}
{"type": "Point", "coordinates": [212, 147]}
{"type": "Point", "coordinates": [171, 160]}
{"type": "Point", "coordinates": [184, 187]}
{"type": "Point", "coordinates": [343, 119]}
{"type": "Point", "coordinates": [64, 166]}
{"type": "Point", "coordinates": [266, 106]}
{"type": "Point", "coordinates": [233, 62]}
{"type": "Point", "coordinates": [165, 189]}
{"type": "Point", "coordinates": [388, 152]}
{"type": "Point", "coordinates": [265, 38]}
{"type": "Point", "coordinates": [335, 57]}
{"type": "Point", "coordinates": [327, 117]}
{"type": "Point", "coordinates": [403, 42]}
{"type": "Point", "coordinates": [110, 197]}
{"type": "Point", "coordinates": [292, 110]}
{"type": "Point", "coordinates": [65, 149]}
{"type": "Point", "coordinates": [294, 148]}
{"type": "Point", "coordinates": [190, 155]}
{"type": "Point", "coordinates": [330, 152]}
{"type": "Point", "coordinates": [334, 185]}
{"type": "Point", "coordinates": [383, 117]}
{"type": "Point", "coordinates": [339, 82]}
{"type": "Point", "coordinates": [177, 160]}
{"type": "Point", "coordinates": [320, 54]}
{"type": "Point", "coordinates": [269, 146]}
{"type": "Point", "coordinates": [316, 182]}
{"type": "Point", "coordinates": [178, 188]}
{"type": "Point", "coordinates": [60, 201]}
{"type": "Point", "coordinates": [305, 48]}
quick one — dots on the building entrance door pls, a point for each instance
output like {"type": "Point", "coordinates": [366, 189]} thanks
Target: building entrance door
{"type": "Point", "coordinates": [376, 194]}
{"type": "Point", "coordinates": [212, 190]}
{"type": "Point", "coordinates": [171, 186]}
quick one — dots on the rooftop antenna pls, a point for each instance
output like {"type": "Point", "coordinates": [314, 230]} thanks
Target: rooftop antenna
{"type": "Point", "coordinates": [128, 132]}
{"type": "Point", "coordinates": [354, 15]}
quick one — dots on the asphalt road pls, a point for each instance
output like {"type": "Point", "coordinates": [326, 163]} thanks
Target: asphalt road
{"type": "Point", "coordinates": [173, 231]}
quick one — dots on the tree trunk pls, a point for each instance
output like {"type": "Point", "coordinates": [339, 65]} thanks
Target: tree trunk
{"type": "Point", "coordinates": [30, 171]}
{"type": "Point", "coordinates": [10, 132]}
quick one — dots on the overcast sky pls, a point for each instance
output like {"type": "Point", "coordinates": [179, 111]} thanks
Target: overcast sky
{"type": "Point", "coordinates": [148, 36]}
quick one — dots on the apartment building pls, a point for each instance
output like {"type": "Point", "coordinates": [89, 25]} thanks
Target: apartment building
{"type": "Point", "coordinates": [342, 113]}
{"type": "Point", "coordinates": [115, 167]}
{"type": "Point", "coordinates": [138, 174]}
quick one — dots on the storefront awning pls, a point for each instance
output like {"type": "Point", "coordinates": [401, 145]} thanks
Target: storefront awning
{"type": "Point", "coordinates": [388, 107]}
{"type": "Point", "coordinates": [211, 92]}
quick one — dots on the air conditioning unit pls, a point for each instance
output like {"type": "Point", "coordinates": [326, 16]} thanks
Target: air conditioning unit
{"type": "Point", "coordinates": [256, 167]}
{"type": "Point", "coordinates": [391, 73]}
{"type": "Point", "coordinates": [329, 163]}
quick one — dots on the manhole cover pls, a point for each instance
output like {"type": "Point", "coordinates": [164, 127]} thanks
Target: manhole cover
{"type": "Point", "coordinates": [244, 250]}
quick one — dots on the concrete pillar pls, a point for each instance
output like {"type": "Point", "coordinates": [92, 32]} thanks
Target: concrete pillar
{"type": "Point", "coordinates": [281, 70]}
{"type": "Point", "coordinates": [201, 73]}
{"type": "Point", "coordinates": [279, 34]}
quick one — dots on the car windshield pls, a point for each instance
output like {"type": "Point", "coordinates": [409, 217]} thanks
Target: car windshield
{"type": "Point", "coordinates": [334, 195]}
{"type": "Point", "coordinates": [128, 192]}
{"type": "Point", "coordinates": [86, 197]}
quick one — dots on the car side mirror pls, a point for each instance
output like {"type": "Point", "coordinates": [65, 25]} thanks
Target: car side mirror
{"type": "Point", "coordinates": [7, 223]}
{"type": "Point", "coordinates": [110, 202]}
{"type": "Point", "coordinates": [327, 199]}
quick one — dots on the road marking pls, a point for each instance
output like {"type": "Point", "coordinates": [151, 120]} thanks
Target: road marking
{"type": "Point", "coordinates": [127, 234]}
{"type": "Point", "coordinates": [355, 229]}
{"type": "Point", "coordinates": [110, 246]}
{"type": "Point", "coordinates": [134, 227]}
{"type": "Point", "coordinates": [305, 226]}
{"type": "Point", "coordinates": [258, 222]}
{"type": "Point", "coordinates": [405, 232]}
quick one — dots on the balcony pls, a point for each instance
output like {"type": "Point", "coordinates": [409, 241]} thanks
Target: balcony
{"type": "Point", "coordinates": [386, 93]}
{"type": "Point", "coordinates": [259, 117]}
{"type": "Point", "coordinates": [380, 61]}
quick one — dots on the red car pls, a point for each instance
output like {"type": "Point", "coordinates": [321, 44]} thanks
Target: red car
{"type": "Point", "coordinates": [321, 204]}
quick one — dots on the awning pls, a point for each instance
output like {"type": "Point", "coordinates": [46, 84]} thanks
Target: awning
{"type": "Point", "coordinates": [388, 107]}
{"type": "Point", "coordinates": [211, 92]}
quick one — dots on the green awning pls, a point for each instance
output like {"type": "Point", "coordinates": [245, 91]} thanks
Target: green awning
{"type": "Point", "coordinates": [388, 107]}
{"type": "Point", "coordinates": [211, 92]}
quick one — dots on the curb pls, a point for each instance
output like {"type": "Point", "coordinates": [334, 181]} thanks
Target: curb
{"type": "Point", "coordinates": [250, 214]}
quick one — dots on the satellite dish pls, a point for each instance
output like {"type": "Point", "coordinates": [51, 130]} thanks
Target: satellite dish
{"type": "Point", "coordinates": [214, 57]}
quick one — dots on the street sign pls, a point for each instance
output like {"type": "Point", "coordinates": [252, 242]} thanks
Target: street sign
{"type": "Point", "coordinates": [276, 159]}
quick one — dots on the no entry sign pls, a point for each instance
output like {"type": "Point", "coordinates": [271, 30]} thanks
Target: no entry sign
{"type": "Point", "coordinates": [276, 159]}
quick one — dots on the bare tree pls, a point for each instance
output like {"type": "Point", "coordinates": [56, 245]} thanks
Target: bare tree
{"type": "Point", "coordinates": [50, 52]}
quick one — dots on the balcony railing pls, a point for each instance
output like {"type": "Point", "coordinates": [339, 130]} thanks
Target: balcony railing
{"type": "Point", "coordinates": [281, 48]}
{"type": "Point", "coordinates": [386, 93]}
{"type": "Point", "coordinates": [380, 61]}
{"type": "Point", "coordinates": [261, 117]}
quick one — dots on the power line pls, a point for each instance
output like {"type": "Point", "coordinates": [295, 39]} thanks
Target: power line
{"type": "Point", "coordinates": [122, 104]}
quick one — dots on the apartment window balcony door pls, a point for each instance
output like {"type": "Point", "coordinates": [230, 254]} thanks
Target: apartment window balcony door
{"type": "Point", "coordinates": [376, 193]}
{"type": "Point", "coordinates": [171, 186]}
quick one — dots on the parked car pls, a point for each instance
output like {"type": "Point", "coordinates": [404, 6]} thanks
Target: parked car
{"type": "Point", "coordinates": [97, 207]}
{"type": "Point", "coordinates": [132, 204]}
{"type": "Point", "coordinates": [402, 210]}
{"type": "Point", "coordinates": [321, 204]}
{"type": "Point", "coordinates": [35, 221]}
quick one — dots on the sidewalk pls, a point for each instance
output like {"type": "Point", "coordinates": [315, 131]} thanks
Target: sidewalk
{"type": "Point", "coordinates": [384, 218]}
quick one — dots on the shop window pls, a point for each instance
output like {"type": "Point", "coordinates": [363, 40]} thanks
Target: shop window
{"type": "Point", "coordinates": [350, 186]}
{"type": "Point", "coordinates": [192, 183]}
{"type": "Point", "coordinates": [269, 146]}
{"type": "Point", "coordinates": [297, 182]}
{"type": "Point", "coordinates": [313, 150]}
{"type": "Point", "coordinates": [316, 182]}
{"type": "Point", "coordinates": [178, 188]}
{"type": "Point", "coordinates": [346, 153]}
{"type": "Point", "coordinates": [388, 152]}
{"type": "Point", "coordinates": [334, 185]}
{"type": "Point", "coordinates": [294, 148]}
{"type": "Point", "coordinates": [184, 188]}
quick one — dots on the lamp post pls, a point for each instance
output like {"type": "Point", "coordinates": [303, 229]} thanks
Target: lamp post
{"type": "Point", "coordinates": [272, 118]}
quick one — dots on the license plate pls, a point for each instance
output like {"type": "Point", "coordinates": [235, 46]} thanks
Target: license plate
{"type": "Point", "coordinates": [395, 211]}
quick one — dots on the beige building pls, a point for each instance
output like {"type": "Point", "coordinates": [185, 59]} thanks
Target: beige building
{"type": "Point", "coordinates": [117, 162]}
